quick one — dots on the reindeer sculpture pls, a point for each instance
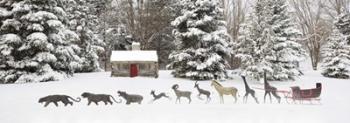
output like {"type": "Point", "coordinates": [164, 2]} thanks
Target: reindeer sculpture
{"type": "Point", "coordinates": [180, 94]}
{"type": "Point", "coordinates": [202, 91]}
{"type": "Point", "coordinates": [248, 91]}
{"type": "Point", "coordinates": [224, 90]}
{"type": "Point", "coordinates": [270, 89]}
{"type": "Point", "coordinates": [160, 95]}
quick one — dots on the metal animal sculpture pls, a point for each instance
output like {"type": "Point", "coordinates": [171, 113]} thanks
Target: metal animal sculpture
{"type": "Point", "coordinates": [270, 89]}
{"type": "Point", "coordinates": [95, 98]}
{"type": "Point", "coordinates": [179, 94]}
{"type": "Point", "coordinates": [130, 98]}
{"type": "Point", "coordinates": [202, 91]}
{"type": "Point", "coordinates": [224, 90]}
{"type": "Point", "coordinates": [248, 91]}
{"type": "Point", "coordinates": [158, 96]}
{"type": "Point", "coordinates": [58, 98]}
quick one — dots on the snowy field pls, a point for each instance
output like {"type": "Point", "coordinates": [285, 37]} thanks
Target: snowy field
{"type": "Point", "coordinates": [19, 102]}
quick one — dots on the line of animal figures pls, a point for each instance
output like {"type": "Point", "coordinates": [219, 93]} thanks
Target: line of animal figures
{"type": "Point", "coordinates": [134, 98]}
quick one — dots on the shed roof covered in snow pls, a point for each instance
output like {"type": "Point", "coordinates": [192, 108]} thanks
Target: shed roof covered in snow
{"type": "Point", "coordinates": [136, 55]}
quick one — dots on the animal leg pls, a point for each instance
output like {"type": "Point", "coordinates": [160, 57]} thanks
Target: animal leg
{"type": "Point", "coordinates": [110, 102]}
{"type": "Point", "coordinates": [256, 99]}
{"type": "Point", "coordinates": [270, 97]}
{"type": "Point", "coordinates": [96, 102]}
{"type": "Point", "coordinates": [176, 100]}
{"type": "Point", "coordinates": [105, 102]}
{"type": "Point", "coordinates": [199, 96]}
{"type": "Point", "coordinates": [221, 99]}
{"type": "Point", "coordinates": [208, 98]}
{"type": "Point", "coordinates": [265, 96]}
{"type": "Point", "coordinates": [189, 100]}
{"type": "Point", "coordinates": [234, 96]}
{"type": "Point", "coordinates": [276, 96]}
{"type": "Point", "coordinates": [46, 104]}
{"type": "Point", "coordinates": [56, 104]}
{"type": "Point", "coordinates": [89, 102]}
{"type": "Point", "coordinates": [167, 97]}
{"type": "Point", "coordinates": [245, 97]}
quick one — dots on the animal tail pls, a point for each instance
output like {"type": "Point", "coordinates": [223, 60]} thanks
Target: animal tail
{"type": "Point", "coordinates": [120, 101]}
{"type": "Point", "coordinates": [75, 100]}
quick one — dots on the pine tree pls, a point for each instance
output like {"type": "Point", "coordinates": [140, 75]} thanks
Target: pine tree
{"type": "Point", "coordinates": [202, 41]}
{"type": "Point", "coordinates": [252, 43]}
{"type": "Point", "coordinates": [118, 38]}
{"type": "Point", "coordinates": [343, 24]}
{"type": "Point", "coordinates": [83, 19]}
{"type": "Point", "coordinates": [268, 42]}
{"type": "Point", "coordinates": [336, 53]}
{"type": "Point", "coordinates": [35, 45]}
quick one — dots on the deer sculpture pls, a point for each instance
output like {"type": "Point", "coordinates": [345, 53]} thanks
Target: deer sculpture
{"type": "Point", "coordinates": [179, 94]}
{"type": "Point", "coordinates": [202, 91]}
{"type": "Point", "coordinates": [158, 96]}
{"type": "Point", "coordinates": [270, 89]}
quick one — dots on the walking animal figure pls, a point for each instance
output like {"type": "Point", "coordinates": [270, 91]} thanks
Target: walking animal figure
{"type": "Point", "coordinates": [130, 98]}
{"type": "Point", "coordinates": [95, 98]}
{"type": "Point", "coordinates": [156, 97]}
{"type": "Point", "coordinates": [180, 94]}
{"type": "Point", "coordinates": [270, 89]}
{"type": "Point", "coordinates": [202, 91]}
{"type": "Point", "coordinates": [224, 90]}
{"type": "Point", "coordinates": [58, 98]}
{"type": "Point", "coordinates": [248, 91]}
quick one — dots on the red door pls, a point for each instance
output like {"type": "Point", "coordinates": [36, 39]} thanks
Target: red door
{"type": "Point", "coordinates": [133, 70]}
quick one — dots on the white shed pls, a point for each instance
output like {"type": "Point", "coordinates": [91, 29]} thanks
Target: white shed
{"type": "Point", "coordinates": [134, 62]}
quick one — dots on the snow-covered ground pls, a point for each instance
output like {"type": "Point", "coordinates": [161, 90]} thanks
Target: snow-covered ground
{"type": "Point", "coordinates": [19, 102]}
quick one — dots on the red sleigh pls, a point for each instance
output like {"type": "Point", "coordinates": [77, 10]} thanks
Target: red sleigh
{"type": "Point", "coordinates": [301, 95]}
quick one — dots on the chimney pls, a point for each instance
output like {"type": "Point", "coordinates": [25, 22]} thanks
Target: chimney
{"type": "Point", "coordinates": [135, 46]}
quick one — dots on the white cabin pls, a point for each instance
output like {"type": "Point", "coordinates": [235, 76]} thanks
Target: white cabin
{"type": "Point", "coordinates": [134, 62]}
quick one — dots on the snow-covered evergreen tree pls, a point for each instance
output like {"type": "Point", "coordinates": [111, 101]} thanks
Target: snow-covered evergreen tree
{"type": "Point", "coordinates": [202, 41]}
{"type": "Point", "coordinates": [118, 38]}
{"type": "Point", "coordinates": [343, 24]}
{"type": "Point", "coordinates": [35, 45]}
{"type": "Point", "coordinates": [83, 19]}
{"type": "Point", "coordinates": [268, 42]}
{"type": "Point", "coordinates": [336, 53]}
